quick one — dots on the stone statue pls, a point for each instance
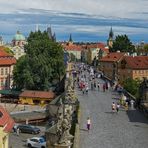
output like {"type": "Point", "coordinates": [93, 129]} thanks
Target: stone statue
{"type": "Point", "coordinates": [66, 126]}
{"type": "Point", "coordinates": [143, 90]}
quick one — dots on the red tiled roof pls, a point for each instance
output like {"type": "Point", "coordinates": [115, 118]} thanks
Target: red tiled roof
{"type": "Point", "coordinates": [5, 120]}
{"type": "Point", "coordinates": [137, 62]}
{"type": "Point", "coordinates": [97, 45]}
{"type": "Point", "coordinates": [3, 53]}
{"type": "Point", "coordinates": [7, 60]}
{"type": "Point", "coordinates": [112, 57]}
{"type": "Point", "coordinates": [72, 47]}
{"type": "Point", "coordinates": [37, 94]}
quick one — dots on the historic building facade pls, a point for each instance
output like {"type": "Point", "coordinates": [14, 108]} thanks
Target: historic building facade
{"type": "Point", "coordinates": [18, 43]}
{"type": "Point", "coordinates": [109, 65]}
{"type": "Point", "coordinates": [119, 66]}
{"type": "Point", "coordinates": [135, 67]}
{"type": "Point", "coordinates": [7, 63]}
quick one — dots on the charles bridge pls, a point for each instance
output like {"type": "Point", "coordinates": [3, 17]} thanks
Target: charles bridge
{"type": "Point", "coordinates": [126, 129]}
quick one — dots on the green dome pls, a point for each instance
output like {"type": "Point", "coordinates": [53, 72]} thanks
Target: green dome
{"type": "Point", "coordinates": [19, 37]}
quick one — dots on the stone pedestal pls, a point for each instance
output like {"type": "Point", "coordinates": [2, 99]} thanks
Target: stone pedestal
{"type": "Point", "coordinates": [68, 145]}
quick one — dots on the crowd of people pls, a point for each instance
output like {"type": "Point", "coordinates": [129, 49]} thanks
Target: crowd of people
{"type": "Point", "coordinates": [87, 79]}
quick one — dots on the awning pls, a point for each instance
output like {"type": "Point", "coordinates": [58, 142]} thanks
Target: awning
{"type": "Point", "coordinates": [10, 92]}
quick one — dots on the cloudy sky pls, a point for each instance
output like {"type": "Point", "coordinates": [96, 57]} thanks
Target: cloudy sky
{"type": "Point", "coordinates": [86, 20]}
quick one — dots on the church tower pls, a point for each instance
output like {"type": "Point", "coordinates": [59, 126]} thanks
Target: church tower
{"type": "Point", "coordinates": [70, 39]}
{"type": "Point", "coordinates": [110, 38]}
{"type": "Point", "coordinates": [49, 33]}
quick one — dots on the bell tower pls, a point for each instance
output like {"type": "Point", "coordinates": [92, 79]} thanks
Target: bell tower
{"type": "Point", "coordinates": [110, 38]}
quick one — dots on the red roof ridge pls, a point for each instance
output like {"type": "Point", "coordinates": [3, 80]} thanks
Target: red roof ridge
{"type": "Point", "coordinates": [5, 120]}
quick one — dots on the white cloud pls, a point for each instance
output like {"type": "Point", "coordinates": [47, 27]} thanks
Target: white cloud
{"type": "Point", "coordinates": [114, 8]}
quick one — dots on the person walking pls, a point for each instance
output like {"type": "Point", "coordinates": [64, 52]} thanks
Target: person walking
{"type": "Point", "coordinates": [88, 124]}
{"type": "Point", "coordinates": [98, 86]}
{"type": "Point", "coordinates": [104, 87]}
{"type": "Point", "coordinates": [117, 107]}
{"type": "Point", "coordinates": [18, 131]}
{"type": "Point", "coordinates": [113, 107]}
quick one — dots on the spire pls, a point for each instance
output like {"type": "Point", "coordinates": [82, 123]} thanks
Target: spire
{"type": "Point", "coordinates": [54, 37]}
{"type": "Point", "coordinates": [49, 32]}
{"type": "Point", "coordinates": [111, 34]}
{"type": "Point", "coordinates": [70, 38]}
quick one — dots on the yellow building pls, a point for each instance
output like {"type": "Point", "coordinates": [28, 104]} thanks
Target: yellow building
{"type": "Point", "coordinates": [94, 50]}
{"type": "Point", "coordinates": [6, 125]}
{"type": "Point", "coordinates": [33, 97]}
{"type": "Point", "coordinates": [74, 49]}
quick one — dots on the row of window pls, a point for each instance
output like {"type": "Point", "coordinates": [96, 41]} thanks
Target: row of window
{"type": "Point", "coordinates": [4, 71]}
{"type": "Point", "coordinates": [140, 71]}
{"type": "Point", "coordinates": [3, 82]}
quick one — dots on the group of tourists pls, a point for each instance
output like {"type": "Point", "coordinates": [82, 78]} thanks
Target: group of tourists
{"type": "Point", "coordinates": [87, 75]}
{"type": "Point", "coordinates": [115, 107]}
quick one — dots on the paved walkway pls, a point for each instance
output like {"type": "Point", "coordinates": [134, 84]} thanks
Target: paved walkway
{"type": "Point", "coordinates": [122, 130]}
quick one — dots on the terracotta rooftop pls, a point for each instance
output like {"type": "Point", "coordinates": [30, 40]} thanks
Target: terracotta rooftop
{"type": "Point", "coordinates": [137, 62]}
{"type": "Point", "coordinates": [7, 60]}
{"type": "Point", "coordinates": [6, 122]}
{"type": "Point", "coordinates": [37, 94]}
{"type": "Point", "coordinates": [97, 45]}
{"type": "Point", "coordinates": [113, 56]}
{"type": "Point", "coordinates": [3, 53]}
{"type": "Point", "coordinates": [72, 47]}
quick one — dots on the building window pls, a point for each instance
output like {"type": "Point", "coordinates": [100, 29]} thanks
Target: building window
{"type": "Point", "coordinates": [2, 71]}
{"type": "Point", "coordinates": [2, 82]}
{"type": "Point", "coordinates": [6, 71]}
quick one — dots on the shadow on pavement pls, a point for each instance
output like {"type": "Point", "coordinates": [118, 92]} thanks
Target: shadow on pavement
{"type": "Point", "coordinates": [109, 112]}
{"type": "Point", "coordinates": [136, 116]}
{"type": "Point", "coordinates": [83, 129]}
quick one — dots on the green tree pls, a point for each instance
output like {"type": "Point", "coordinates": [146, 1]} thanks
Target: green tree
{"type": "Point", "coordinates": [132, 86]}
{"type": "Point", "coordinates": [42, 65]}
{"type": "Point", "coordinates": [123, 44]}
{"type": "Point", "coordinates": [72, 57]}
{"type": "Point", "coordinates": [146, 48]}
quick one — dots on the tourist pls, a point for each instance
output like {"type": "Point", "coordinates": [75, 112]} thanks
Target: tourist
{"type": "Point", "coordinates": [98, 86]}
{"type": "Point", "coordinates": [18, 131]}
{"type": "Point", "coordinates": [88, 124]}
{"type": "Point", "coordinates": [104, 87]}
{"type": "Point", "coordinates": [113, 107]}
{"type": "Point", "coordinates": [87, 88]}
{"type": "Point", "coordinates": [117, 107]}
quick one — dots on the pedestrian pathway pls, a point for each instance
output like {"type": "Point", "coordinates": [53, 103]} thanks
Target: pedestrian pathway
{"type": "Point", "coordinates": [108, 130]}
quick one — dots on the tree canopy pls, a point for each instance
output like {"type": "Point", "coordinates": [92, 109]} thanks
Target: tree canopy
{"type": "Point", "coordinates": [132, 86]}
{"type": "Point", "coordinates": [42, 65]}
{"type": "Point", "coordinates": [123, 44]}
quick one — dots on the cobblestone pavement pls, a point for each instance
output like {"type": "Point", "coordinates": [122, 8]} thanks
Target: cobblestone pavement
{"type": "Point", "coordinates": [122, 130]}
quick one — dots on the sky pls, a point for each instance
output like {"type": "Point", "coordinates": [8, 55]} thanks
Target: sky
{"type": "Point", "coordinates": [86, 20]}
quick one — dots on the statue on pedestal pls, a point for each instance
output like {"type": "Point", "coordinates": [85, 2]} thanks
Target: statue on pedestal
{"type": "Point", "coordinates": [143, 91]}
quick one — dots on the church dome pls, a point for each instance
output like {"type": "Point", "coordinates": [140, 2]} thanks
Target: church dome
{"type": "Point", "coordinates": [19, 37]}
